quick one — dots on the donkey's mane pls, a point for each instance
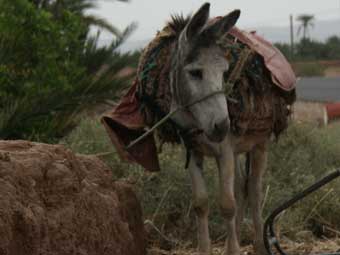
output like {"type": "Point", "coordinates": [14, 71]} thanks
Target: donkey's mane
{"type": "Point", "coordinates": [178, 23]}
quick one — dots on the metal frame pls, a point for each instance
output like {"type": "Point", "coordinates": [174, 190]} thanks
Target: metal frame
{"type": "Point", "coordinates": [269, 235]}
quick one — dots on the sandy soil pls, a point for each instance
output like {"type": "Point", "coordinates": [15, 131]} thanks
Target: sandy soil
{"type": "Point", "coordinates": [53, 202]}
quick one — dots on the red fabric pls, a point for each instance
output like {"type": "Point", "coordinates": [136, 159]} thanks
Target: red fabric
{"type": "Point", "coordinates": [333, 110]}
{"type": "Point", "coordinates": [282, 73]}
{"type": "Point", "coordinates": [124, 124]}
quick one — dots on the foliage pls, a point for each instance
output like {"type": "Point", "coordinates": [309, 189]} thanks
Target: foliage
{"type": "Point", "coordinates": [332, 48]}
{"type": "Point", "coordinates": [78, 7]}
{"type": "Point", "coordinates": [51, 69]}
{"type": "Point", "coordinates": [301, 156]}
{"type": "Point", "coordinates": [308, 69]}
{"type": "Point", "coordinates": [135, 58]}
{"type": "Point", "coordinates": [308, 50]}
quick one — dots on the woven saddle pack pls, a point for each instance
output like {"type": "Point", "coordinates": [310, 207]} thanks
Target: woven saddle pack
{"type": "Point", "coordinates": [262, 94]}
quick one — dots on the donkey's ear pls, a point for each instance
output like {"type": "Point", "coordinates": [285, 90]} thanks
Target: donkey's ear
{"type": "Point", "coordinates": [222, 26]}
{"type": "Point", "coordinates": [197, 21]}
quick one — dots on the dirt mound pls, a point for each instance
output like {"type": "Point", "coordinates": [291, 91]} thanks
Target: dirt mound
{"type": "Point", "coordinates": [54, 202]}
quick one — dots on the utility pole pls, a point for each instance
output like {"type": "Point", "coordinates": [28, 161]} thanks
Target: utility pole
{"type": "Point", "coordinates": [291, 37]}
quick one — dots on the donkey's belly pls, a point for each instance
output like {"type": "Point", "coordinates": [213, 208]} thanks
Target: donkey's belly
{"type": "Point", "coordinates": [246, 143]}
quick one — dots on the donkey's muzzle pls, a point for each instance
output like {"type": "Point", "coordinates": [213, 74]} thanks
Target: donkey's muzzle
{"type": "Point", "coordinates": [220, 130]}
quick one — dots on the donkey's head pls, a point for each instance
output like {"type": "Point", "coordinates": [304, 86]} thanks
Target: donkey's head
{"type": "Point", "coordinates": [199, 69]}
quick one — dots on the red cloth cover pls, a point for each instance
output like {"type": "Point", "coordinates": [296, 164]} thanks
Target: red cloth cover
{"type": "Point", "coordinates": [124, 124]}
{"type": "Point", "coordinates": [282, 73]}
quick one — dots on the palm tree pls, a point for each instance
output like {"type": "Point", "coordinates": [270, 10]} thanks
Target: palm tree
{"type": "Point", "coordinates": [306, 21]}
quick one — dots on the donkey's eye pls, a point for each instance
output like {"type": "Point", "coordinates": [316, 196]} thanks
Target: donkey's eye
{"type": "Point", "coordinates": [225, 76]}
{"type": "Point", "coordinates": [196, 73]}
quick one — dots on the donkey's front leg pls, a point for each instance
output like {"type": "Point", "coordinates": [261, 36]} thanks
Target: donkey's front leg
{"type": "Point", "coordinates": [200, 202]}
{"type": "Point", "coordinates": [258, 163]}
{"type": "Point", "coordinates": [226, 166]}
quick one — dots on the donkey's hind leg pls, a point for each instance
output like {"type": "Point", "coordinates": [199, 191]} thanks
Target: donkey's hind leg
{"type": "Point", "coordinates": [200, 202]}
{"type": "Point", "coordinates": [226, 197]}
{"type": "Point", "coordinates": [258, 163]}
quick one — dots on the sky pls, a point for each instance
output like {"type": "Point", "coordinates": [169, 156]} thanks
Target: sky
{"type": "Point", "coordinates": [151, 15]}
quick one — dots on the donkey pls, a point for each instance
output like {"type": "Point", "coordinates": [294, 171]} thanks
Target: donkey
{"type": "Point", "coordinates": [198, 69]}
{"type": "Point", "coordinates": [190, 84]}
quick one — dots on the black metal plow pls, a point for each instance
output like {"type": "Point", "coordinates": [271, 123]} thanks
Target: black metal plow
{"type": "Point", "coordinates": [269, 236]}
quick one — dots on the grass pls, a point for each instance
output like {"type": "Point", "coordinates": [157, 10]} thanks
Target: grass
{"type": "Point", "coordinates": [302, 156]}
{"type": "Point", "coordinates": [308, 69]}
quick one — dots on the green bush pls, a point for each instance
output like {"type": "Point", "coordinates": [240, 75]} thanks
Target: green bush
{"type": "Point", "coordinates": [37, 68]}
{"type": "Point", "coordinates": [302, 156]}
{"type": "Point", "coordinates": [51, 69]}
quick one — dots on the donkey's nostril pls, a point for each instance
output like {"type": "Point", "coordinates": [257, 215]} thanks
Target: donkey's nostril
{"type": "Point", "coordinates": [220, 130]}
{"type": "Point", "coordinates": [222, 126]}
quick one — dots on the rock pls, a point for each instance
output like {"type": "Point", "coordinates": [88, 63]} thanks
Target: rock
{"type": "Point", "coordinates": [55, 202]}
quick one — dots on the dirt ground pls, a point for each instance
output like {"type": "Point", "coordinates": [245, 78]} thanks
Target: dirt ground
{"type": "Point", "coordinates": [332, 68]}
{"type": "Point", "coordinates": [332, 72]}
{"type": "Point", "coordinates": [291, 248]}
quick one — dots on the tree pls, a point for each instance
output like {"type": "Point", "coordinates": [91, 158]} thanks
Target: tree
{"type": "Point", "coordinates": [333, 47]}
{"type": "Point", "coordinates": [306, 21]}
{"type": "Point", "coordinates": [79, 7]}
{"type": "Point", "coordinates": [52, 69]}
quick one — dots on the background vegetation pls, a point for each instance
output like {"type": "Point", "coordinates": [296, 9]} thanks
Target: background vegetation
{"type": "Point", "coordinates": [307, 54]}
{"type": "Point", "coordinates": [307, 49]}
{"type": "Point", "coordinates": [310, 57]}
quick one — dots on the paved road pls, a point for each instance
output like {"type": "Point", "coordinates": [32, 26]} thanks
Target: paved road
{"type": "Point", "coordinates": [319, 89]}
